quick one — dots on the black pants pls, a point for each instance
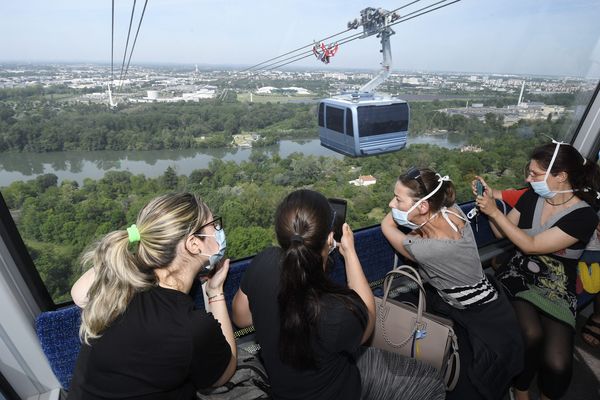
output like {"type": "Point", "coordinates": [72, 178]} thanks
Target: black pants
{"type": "Point", "coordinates": [548, 351]}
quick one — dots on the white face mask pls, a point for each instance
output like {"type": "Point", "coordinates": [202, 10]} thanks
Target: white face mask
{"type": "Point", "coordinates": [541, 188]}
{"type": "Point", "coordinates": [401, 217]}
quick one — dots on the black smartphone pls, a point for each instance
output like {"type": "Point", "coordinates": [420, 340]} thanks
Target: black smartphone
{"type": "Point", "coordinates": [479, 187]}
{"type": "Point", "coordinates": [339, 206]}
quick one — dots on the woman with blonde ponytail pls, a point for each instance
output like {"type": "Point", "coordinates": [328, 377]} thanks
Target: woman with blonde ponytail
{"type": "Point", "coordinates": [309, 328]}
{"type": "Point", "coordinates": [141, 335]}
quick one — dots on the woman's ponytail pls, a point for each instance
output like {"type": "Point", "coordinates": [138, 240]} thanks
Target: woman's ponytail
{"type": "Point", "coordinates": [298, 305]}
{"type": "Point", "coordinates": [117, 279]}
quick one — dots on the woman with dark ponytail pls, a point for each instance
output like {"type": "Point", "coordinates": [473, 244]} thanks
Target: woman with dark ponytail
{"type": "Point", "coordinates": [309, 328]}
{"type": "Point", "coordinates": [550, 227]}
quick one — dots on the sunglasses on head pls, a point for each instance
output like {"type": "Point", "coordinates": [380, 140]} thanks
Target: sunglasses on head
{"type": "Point", "coordinates": [414, 173]}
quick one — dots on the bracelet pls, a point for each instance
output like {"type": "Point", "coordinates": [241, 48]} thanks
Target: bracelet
{"type": "Point", "coordinates": [215, 295]}
{"type": "Point", "coordinates": [213, 301]}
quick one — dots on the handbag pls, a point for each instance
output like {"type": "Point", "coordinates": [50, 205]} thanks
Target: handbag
{"type": "Point", "coordinates": [410, 331]}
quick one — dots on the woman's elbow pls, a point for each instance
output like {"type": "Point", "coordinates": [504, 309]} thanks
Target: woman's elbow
{"type": "Point", "coordinates": [228, 373]}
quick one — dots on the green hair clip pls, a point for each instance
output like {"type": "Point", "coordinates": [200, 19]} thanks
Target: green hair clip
{"type": "Point", "coordinates": [134, 234]}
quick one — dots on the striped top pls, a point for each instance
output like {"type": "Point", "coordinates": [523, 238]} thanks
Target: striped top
{"type": "Point", "coordinates": [453, 267]}
{"type": "Point", "coordinates": [467, 296]}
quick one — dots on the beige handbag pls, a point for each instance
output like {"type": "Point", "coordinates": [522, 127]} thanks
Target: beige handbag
{"type": "Point", "coordinates": [411, 332]}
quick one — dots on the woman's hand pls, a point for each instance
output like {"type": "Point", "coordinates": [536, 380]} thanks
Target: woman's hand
{"type": "Point", "coordinates": [347, 243]}
{"type": "Point", "coordinates": [214, 285]}
{"type": "Point", "coordinates": [486, 203]}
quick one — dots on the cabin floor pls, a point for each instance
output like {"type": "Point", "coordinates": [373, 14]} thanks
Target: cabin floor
{"type": "Point", "coordinates": [585, 384]}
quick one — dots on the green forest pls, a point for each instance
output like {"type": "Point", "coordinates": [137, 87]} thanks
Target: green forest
{"type": "Point", "coordinates": [58, 220]}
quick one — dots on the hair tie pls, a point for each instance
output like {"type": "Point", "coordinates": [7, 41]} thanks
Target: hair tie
{"type": "Point", "coordinates": [133, 233]}
{"type": "Point", "coordinates": [297, 239]}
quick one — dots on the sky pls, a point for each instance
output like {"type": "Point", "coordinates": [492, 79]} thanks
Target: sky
{"type": "Point", "coordinates": [532, 37]}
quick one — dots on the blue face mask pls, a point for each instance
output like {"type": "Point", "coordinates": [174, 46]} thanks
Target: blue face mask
{"type": "Point", "coordinates": [214, 259]}
{"type": "Point", "coordinates": [541, 188]}
{"type": "Point", "coordinates": [222, 242]}
{"type": "Point", "coordinates": [401, 217]}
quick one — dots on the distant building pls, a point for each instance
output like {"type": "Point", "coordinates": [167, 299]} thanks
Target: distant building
{"type": "Point", "coordinates": [471, 149]}
{"type": "Point", "coordinates": [266, 90]}
{"type": "Point", "coordinates": [364, 180]}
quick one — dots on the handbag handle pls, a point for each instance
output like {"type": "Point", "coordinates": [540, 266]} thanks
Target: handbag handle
{"type": "Point", "coordinates": [413, 275]}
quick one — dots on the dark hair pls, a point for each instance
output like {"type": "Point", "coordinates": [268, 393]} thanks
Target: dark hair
{"type": "Point", "coordinates": [421, 182]}
{"type": "Point", "coordinates": [302, 224]}
{"type": "Point", "coordinates": [582, 174]}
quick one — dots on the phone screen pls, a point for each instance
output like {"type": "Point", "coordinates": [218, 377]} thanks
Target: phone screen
{"type": "Point", "coordinates": [339, 205]}
{"type": "Point", "coordinates": [480, 188]}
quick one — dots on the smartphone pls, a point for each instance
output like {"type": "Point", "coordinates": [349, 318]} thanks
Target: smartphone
{"type": "Point", "coordinates": [339, 206]}
{"type": "Point", "coordinates": [479, 188]}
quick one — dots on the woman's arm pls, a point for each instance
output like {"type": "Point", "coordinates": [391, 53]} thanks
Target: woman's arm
{"type": "Point", "coordinates": [218, 308]}
{"type": "Point", "coordinates": [549, 241]}
{"type": "Point", "coordinates": [356, 278]}
{"type": "Point", "coordinates": [242, 317]}
{"type": "Point", "coordinates": [394, 235]}
{"type": "Point", "coordinates": [79, 291]}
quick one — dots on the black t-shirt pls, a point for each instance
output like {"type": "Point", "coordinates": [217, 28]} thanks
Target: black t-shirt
{"type": "Point", "coordinates": [579, 223]}
{"type": "Point", "coordinates": [160, 348]}
{"type": "Point", "coordinates": [339, 334]}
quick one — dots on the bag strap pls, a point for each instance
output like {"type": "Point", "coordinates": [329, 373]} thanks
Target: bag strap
{"type": "Point", "coordinates": [412, 274]}
{"type": "Point", "coordinates": [454, 359]}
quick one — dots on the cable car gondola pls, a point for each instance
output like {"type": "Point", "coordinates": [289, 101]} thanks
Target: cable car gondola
{"type": "Point", "coordinates": [361, 126]}
{"type": "Point", "coordinates": [364, 123]}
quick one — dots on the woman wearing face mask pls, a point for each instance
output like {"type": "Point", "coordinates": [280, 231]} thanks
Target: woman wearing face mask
{"type": "Point", "coordinates": [310, 328]}
{"type": "Point", "coordinates": [550, 226]}
{"type": "Point", "coordinates": [442, 244]}
{"type": "Point", "coordinates": [142, 337]}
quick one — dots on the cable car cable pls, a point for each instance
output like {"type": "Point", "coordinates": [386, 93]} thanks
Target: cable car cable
{"type": "Point", "coordinates": [321, 40]}
{"type": "Point", "coordinates": [355, 36]}
{"type": "Point", "coordinates": [293, 51]}
{"type": "Point", "coordinates": [126, 45]}
{"type": "Point", "coordinates": [135, 39]}
{"type": "Point", "coordinates": [112, 44]}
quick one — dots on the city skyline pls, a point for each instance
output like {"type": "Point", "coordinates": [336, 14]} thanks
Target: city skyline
{"type": "Point", "coordinates": [531, 37]}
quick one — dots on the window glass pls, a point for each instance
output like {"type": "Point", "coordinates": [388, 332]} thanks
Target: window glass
{"type": "Point", "coordinates": [349, 123]}
{"type": "Point", "coordinates": [335, 119]}
{"type": "Point", "coordinates": [379, 120]}
{"type": "Point", "coordinates": [321, 114]}
{"type": "Point", "coordinates": [484, 85]}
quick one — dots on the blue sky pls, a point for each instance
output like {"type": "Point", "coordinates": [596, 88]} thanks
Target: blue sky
{"type": "Point", "coordinates": [554, 37]}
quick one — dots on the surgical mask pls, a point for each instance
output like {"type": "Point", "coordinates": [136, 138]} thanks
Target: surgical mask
{"type": "Point", "coordinates": [401, 217]}
{"type": "Point", "coordinates": [214, 259]}
{"type": "Point", "coordinates": [541, 188]}
{"type": "Point", "coordinates": [333, 247]}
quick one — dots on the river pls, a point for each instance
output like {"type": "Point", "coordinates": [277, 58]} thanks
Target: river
{"type": "Point", "coordinates": [78, 165]}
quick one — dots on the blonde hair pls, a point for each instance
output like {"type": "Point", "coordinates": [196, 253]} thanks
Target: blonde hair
{"type": "Point", "coordinates": [121, 272]}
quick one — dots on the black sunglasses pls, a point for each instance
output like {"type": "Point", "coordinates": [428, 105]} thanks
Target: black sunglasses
{"type": "Point", "coordinates": [414, 173]}
{"type": "Point", "coordinates": [217, 223]}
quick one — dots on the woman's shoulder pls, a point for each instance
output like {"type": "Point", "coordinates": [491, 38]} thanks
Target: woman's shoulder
{"type": "Point", "coordinates": [584, 214]}
{"type": "Point", "coordinates": [268, 253]}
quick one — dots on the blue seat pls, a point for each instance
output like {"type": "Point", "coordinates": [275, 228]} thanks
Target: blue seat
{"type": "Point", "coordinates": [58, 332]}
